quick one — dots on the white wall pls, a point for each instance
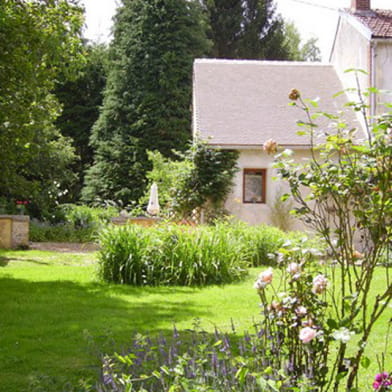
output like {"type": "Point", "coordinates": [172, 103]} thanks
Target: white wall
{"type": "Point", "coordinates": [354, 48]}
{"type": "Point", "coordinates": [258, 213]}
{"type": "Point", "coordinates": [351, 50]}
{"type": "Point", "coordinates": [383, 72]}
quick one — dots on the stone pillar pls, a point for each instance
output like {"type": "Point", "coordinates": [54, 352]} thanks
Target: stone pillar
{"type": "Point", "coordinates": [14, 231]}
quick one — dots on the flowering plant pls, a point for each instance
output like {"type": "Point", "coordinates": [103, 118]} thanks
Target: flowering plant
{"type": "Point", "coordinates": [21, 206]}
{"type": "Point", "coordinates": [383, 382]}
{"type": "Point", "coordinates": [343, 192]}
{"type": "Point", "coordinates": [295, 317]}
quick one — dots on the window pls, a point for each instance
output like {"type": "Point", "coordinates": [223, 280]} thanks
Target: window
{"type": "Point", "coordinates": [254, 185]}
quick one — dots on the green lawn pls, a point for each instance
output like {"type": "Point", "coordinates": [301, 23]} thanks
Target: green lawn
{"type": "Point", "coordinates": [56, 318]}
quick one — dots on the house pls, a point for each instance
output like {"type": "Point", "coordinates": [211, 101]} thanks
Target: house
{"type": "Point", "coordinates": [240, 104]}
{"type": "Point", "coordinates": [363, 40]}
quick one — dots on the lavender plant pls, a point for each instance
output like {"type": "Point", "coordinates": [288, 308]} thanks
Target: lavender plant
{"type": "Point", "coordinates": [192, 361]}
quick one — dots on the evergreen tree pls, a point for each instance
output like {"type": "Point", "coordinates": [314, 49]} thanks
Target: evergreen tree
{"type": "Point", "coordinates": [81, 99]}
{"type": "Point", "coordinates": [248, 29]}
{"type": "Point", "coordinates": [148, 94]}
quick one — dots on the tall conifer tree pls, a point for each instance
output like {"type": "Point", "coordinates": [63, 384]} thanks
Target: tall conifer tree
{"type": "Point", "coordinates": [249, 29]}
{"type": "Point", "coordinates": [148, 94]}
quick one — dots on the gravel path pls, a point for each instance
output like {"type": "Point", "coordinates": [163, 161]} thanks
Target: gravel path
{"type": "Point", "coordinates": [70, 247]}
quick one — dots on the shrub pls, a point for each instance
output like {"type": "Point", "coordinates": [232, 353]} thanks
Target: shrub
{"type": "Point", "coordinates": [76, 224]}
{"type": "Point", "coordinates": [343, 191]}
{"type": "Point", "coordinates": [60, 232]}
{"type": "Point", "coordinates": [84, 216]}
{"type": "Point", "coordinates": [192, 361]}
{"type": "Point", "coordinates": [171, 255]}
{"type": "Point", "coordinates": [201, 178]}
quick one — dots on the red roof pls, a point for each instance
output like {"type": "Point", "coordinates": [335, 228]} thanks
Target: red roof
{"type": "Point", "coordinates": [379, 22]}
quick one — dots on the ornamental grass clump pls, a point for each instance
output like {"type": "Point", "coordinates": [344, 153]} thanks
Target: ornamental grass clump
{"type": "Point", "coordinates": [260, 241]}
{"type": "Point", "coordinates": [171, 255]}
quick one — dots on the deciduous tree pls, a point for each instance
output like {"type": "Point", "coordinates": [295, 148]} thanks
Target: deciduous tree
{"type": "Point", "coordinates": [37, 41]}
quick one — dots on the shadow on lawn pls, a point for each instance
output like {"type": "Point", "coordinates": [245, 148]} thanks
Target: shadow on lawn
{"type": "Point", "coordinates": [60, 327]}
{"type": "Point", "coordinates": [5, 260]}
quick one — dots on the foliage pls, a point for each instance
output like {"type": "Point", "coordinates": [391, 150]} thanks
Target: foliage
{"type": "Point", "coordinates": [248, 29]}
{"type": "Point", "coordinates": [344, 193]}
{"type": "Point", "coordinates": [310, 51]}
{"type": "Point", "coordinates": [147, 96]}
{"type": "Point", "coordinates": [59, 232]}
{"type": "Point", "coordinates": [38, 40]}
{"type": "Point", "coordinates": [169, 175]}
{"type": "Point", "coordinates": [260, 241]}
{"type": "Point", "coordinates": [280, 212]}
{"type": "Point", "coordinates": [72, 223]}
{"type": "Point", "coordinates": [208, 182]}
{"type": "Point", "coordinates": [192, 361]}
{"type": "Point", "coordinates": [170, 255]}
{"type": "Point", "coordinates": [80, 99]}
{"type": "Point", "coordinates": [201, 178]}
{"type": "Point", "coordinates": [84, 216]}
{"type": "Point", "coordinates": [297, 51]}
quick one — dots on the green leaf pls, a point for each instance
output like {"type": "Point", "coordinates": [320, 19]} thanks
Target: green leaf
{"type": "Point", "coordinates": [365, 362]}
{"type": "Point", "coordinates": [332, 324]}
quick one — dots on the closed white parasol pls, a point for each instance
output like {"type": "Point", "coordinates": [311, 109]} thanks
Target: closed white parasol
{"type": "Point", "coordinates": [153, 203]}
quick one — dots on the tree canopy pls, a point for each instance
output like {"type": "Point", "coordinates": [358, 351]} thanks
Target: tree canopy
{"type": "Point", "coordinates": [148, 94]}
{"type": "Point", "coordinates": [249, 29]}
{"type": "Point", "coordinates": [37, 41]}
{"type": "Point", "coordinates": [81, 99]}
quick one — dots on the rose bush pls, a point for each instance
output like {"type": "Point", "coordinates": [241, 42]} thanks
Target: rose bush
{"type": "Point", "coordinates": [344, 193]}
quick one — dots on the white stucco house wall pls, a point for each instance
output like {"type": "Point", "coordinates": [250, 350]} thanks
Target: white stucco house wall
{"type": "Point", "coordinates": [363, 40]}
{"type": "Point", "coordinates": [240, 104]}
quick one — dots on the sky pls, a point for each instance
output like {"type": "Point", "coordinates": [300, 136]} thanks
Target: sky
{"type": "Point", "coordinates": [313, 18]}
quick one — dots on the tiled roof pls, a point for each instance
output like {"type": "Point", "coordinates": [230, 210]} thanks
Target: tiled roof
{"type": "Point", "coordinates": [244, 102]}
{"type": "Point", "coordinates": [379, 22]}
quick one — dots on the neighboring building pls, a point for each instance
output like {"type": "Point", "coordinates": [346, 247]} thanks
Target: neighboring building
{"type": "Point", "coordinates": [363, 40]}
{"type": "Point", "coordinates": [239, 104]}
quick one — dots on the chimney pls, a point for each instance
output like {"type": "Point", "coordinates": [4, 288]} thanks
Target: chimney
{"type": "Point", "coordinates": [360, 6]}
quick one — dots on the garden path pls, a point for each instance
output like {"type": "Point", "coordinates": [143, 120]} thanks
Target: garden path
{"type": "Point", "coordinates": [71, 247]}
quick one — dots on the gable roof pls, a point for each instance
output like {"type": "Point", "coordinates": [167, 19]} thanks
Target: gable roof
{"type": "Point", "coordinates": [245, 102]}
{"type": "Point", "coordinates": [379, 22]}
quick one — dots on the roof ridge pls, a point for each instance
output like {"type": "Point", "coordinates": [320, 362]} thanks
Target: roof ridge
{"type": "Point", "coordinates": [261, 62]}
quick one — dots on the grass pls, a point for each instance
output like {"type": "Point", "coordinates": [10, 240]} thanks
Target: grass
{"type": "Point", "coordinates": [56, 318]}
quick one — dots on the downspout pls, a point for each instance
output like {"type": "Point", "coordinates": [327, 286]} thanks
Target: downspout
{"type": "Point", "coordinates": [373, 97]}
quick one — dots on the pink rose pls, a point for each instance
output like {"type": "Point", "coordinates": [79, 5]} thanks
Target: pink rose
{"type": "Point", "coordinates": [301, 311]}
{"type": "Point", "coordinates": [320, 283]}
{"type": "Point", "coordinates": [264, 279]}
{"type": "Point", "coordinates": [307, 334]}
{"type": "Point", "coordinates": [266, 276]}
{"type": "Point", "coordinates": [293, 268]}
